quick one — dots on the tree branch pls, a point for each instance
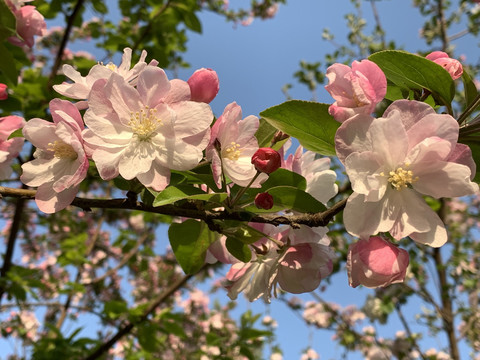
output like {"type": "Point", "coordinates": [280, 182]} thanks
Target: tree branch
{"type": "Point", "coordinates": [63, 44]}
{"type": "Point", "coordinates": [102, 349]}
{"type": "Point", "coordinates": [12, 237]}
{"type": "Point", "coordinates": [317, 219]}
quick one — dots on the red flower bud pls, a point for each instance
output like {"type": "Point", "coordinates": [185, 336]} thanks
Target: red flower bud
{"type": "Point", "coordinates": [3, 91]}
{"type": "Point", "coordinates": [204, 85]}
{"type": "Point", "coordinates": [264, 201]}
{"type": "Point", "coordinates": [266, 160]}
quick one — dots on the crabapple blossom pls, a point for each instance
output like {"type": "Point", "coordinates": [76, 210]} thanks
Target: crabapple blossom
{"type": "Point", "coordinates": [81, 86]}
{"type": "Point", "coordinates": [356, 90]}
{"type": "Point", "coordinates": [29, 22]}
{"type": "Point", "coordinates": [9, 149]}
{"type": "Point", "coordinates": [392, 161]}
{"type": "Point", "coordinates": [376, 262]}
{"type": "Point", "coordinates": [132, 132]}
{"type": "Point", "coordinates": [60, 162]}
{"type": "Point", "coordinates": [297, 267]}
{"type": "Point", "coordinates": [266, 160]}
{"type": "Point", "coordinates": [316, 171]}
{"type": "Point", "coordinates": [204, 85]}
{"type": "Point", "coordinates": [3, 92]}
{"type": "Point", "coordinates": [232, 145]}
{"type": "Point", "coordinates": [453, 66]}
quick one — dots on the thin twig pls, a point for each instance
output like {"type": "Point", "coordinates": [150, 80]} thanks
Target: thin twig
{"type": "Point", "coordinates": [443, 25]}
{"type": "Point", "coordinates": [12, 237]}
{"type": "Point", "coordinates": [408, 331]}
{"type": "Point", "coordinates": [126, 329]}
{"type": "Point", "coordinates": [63, 43]}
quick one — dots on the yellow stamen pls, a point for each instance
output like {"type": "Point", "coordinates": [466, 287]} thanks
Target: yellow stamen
{"type": "Point", "coordinates": [62, 150]}
{"type": "Point", "coordinates": [401, 178]}
{"type": "Point", "coordinates": [111, 66]}
{"type": "Point", "coordinates": [232, 152]}
{"type": "Point", "coordinates": [144, 123]}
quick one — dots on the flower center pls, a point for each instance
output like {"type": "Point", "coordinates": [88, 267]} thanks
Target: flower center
{"type": "Point", "coordinates": [401, 178]}
{"type": "Point", "coordinates": [62, 150]}
{"type": "Point", "coordinates": [144, 123]}
{"type": "Point", "coordinates": [111, 66]}
{"type": "Point", "coordinates": [233, 151]}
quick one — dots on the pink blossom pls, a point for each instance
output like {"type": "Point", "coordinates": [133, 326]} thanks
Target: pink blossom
{"type": "Point", "coordinates": [297, 267]}
{"type": "Point", "coordinates": [29, 23]}
{"type": "Point", "coordinates": [357, 90]}
{"type": "Point", "coordinates": [392, 161]}
{"type": "Point", "coordinates": [453, 66]}
{"type": "Point", "coordinates": [316, 171]}
{"type": "Point", "coordinates": [60, 162]}
{"type": "Point", "coordinates": [232, 145]}
{"type": "Point", "coordinates": [266, 160]}
{"type": "Point", "coordinates": [81, 86]}
{"type": "Point", "coordinates": [3, 92]}
{"type": "Point", "coordinates": [376, 262]}
{"type": "Point", "coordinates": [204, 85]}
{"type": "Point", "coordinates": [132, 132]}
{"type": "Point", "coordinates": [9, 149]}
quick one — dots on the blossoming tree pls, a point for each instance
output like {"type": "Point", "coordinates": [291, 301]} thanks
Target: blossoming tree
{"type": "Point", "coordinates": [109, 152]}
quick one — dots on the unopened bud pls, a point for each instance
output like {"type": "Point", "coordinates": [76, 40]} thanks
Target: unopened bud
{"type": "Point", "coordinates": [264, 201]}
{"type": "Point", "coordinates": [3, 92]}
{"type": "Point", "coordinates": [266, 160]}
{"type": "Point", "coordinates": [204, 85]}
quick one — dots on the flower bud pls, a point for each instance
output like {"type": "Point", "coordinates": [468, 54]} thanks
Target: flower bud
{"type": "Point", "coordinates": [376, 262]}
{"type": "Point", "coordinates": [266, 160]}
{"type": "Point", "coordinates": [204, 85]}
{"type": "Point", "coordinates": [264, 201]}
{"type": "Point", "coordinates": [453, 66]}
{"type": "Point", "coordinates": [3, 91]}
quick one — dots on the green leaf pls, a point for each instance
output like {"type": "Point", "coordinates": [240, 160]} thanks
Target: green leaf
{"type": "Point", "coordinates": [291, 198]}
{"type": "Point", "coordinates": [115, 308]}
{"type": "Point", "coordinates": [7, 65]}
{"type": "Point", "coordinates": [238, 249]}
{"type": "Point", "coordinates": [309, 122]}
{"type": "Point", "coordinates": [172, 194]}
{"type": "Point", "coordinates": [475, 147]}
{"type": "Point", "coordinates": [147, 336]}
{"type": "Point", "coordinates": [409, 71]}
{"type": "Point", "coordinates": [240, 231]}
{"type": "Point", "coordinates": [469, 88]}
{"type": "Point", "coordinates": [16, 133]}
{"type": "Point", "coordinates": [190, 241]}
{"type": "Point", "coordinates": [7, 22]}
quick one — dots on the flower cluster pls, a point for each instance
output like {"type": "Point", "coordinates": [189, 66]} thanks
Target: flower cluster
{"type": "Point", "coordinates": [392, 162]}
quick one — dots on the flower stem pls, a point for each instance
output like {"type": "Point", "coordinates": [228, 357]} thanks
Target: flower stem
{"type": "Point", "coordinates": [242, 190]}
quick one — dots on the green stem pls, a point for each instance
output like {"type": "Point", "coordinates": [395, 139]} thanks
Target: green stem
{"type": "Point", "coordinates": [242, 190]}
{"type": "Point", "coordinates": [470, 108]}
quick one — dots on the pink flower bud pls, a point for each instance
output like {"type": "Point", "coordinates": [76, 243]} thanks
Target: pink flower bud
{"type": "Point", "coordinates": [266, 160]}
{"type": "Point", "coordinates": [3, 91]}
{"type": "Point", "coordinates": [453, 66]}
{"type": "Point", "coordinates": [376, 262]}
{"type": "Point", "coordinates": [264, 201]}
{"type": "Point", "coordinates": [204, 85]}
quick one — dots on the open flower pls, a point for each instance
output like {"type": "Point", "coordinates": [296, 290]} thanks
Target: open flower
{"type": "Point", "coordinates": [297, 267]}
{"type": "Point", "coordinates": [232, 145]}
{"type": "Point", "coordinates": [357, 90]}
{"type": "Point", "coordinates": [9, 149]}
{"type": "Point", "coordinates": [453, 66]}
{"type": "Point", "coordinates": [316, 171]}
{"type": "Point", "coordinates": [392, 161]}
{"type": "Point", "coordinates": [60, 162]}
{"type": "Point", "coordinates": [81, 86]}
{"type": "Point", "coordinates": [135, 133]}
{"type": "Point", "coordinates": [376, 262]}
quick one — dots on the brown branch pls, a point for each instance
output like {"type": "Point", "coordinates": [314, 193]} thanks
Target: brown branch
{"type": "Point", "coordinates": [443, 25]}
{"type": "Point", "coordinates": [447, 308]}
{"type": "Point", "coordinates": [12, 237]}
{"type": "Point", "coordinates": [65, 38]}
{"type": "Point", "coordinates": [317, 219]}
{"type": "Point", "coordinates": [126, 329]}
